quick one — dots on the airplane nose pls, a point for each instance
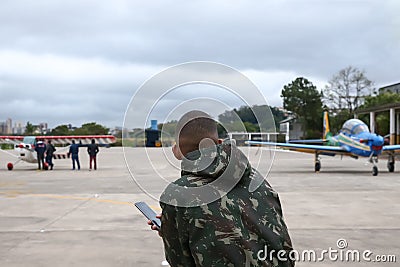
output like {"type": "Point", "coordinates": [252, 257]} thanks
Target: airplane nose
{"type": "Point", "coordinates": [378, 141]}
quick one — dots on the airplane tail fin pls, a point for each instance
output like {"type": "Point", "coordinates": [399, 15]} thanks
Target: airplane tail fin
{"type": "Point", "coordinates": [327, 131]}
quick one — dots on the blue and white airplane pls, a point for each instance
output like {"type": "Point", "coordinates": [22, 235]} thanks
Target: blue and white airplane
{"type": "Point", "coordinates": [354, 140]}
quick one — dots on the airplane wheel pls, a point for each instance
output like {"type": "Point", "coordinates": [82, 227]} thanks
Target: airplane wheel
{"type": "Point", "coordinates": [390, 166]}
{"type": "Point", "coordinates": [10, 166]}
{"type": "Point", "coordinates": [317, 166]}
{"type": "Point", "coordinates": [374, 171]}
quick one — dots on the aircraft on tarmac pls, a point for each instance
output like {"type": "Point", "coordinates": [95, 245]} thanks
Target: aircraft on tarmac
{"type": "Point", "coordinates": [24, 146]}
{"type": "Point", "coordinates": [354, 140]}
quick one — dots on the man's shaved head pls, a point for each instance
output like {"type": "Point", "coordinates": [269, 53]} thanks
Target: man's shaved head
{"type": "Point", "coordinates": [192, 128]}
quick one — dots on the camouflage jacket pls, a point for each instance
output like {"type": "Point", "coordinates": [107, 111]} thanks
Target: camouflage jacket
{"type": "Point", "coordinates": [238, 228]}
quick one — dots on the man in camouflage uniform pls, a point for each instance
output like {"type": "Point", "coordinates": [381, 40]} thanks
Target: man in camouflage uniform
{"type": "Point", "coordinates": [227, 223]}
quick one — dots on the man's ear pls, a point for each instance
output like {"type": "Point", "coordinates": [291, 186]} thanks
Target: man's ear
{"type": "Point", "coordinates": [177, 152]}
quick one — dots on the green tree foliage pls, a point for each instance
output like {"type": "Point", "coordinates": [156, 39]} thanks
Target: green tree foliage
{"type": "Point", "coordinates": [29, 128]}
{"type": "Point", "coordinates": [61, 130]}
{"type": "Point", "coordinates": [278, 116]}
{"type": "Point", "coordinates": [6, 146]}
{"type": "Point", "coordinates": [336, 120]}
{"type": "Point", "coordinates": [244, 118]}
{"type": "Point", "coordinates": [251, 127]}
{"type": "Point", "coordinates": [91, 128]}
{"type": "Point", "coordinates": [381, 99]}
{"type": "Point", "coordinates": [382, 120]}
{"type": "Point", "coordinates": [302, 97]}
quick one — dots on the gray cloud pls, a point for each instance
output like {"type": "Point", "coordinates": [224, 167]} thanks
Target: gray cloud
{"type": "Point", "coordinates": [81, 61]}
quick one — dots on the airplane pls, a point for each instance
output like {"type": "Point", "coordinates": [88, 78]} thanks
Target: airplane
{"type": "Point", "coordinates": [354, 140]}
{"type": "Point", "coordinates": [24, 146]}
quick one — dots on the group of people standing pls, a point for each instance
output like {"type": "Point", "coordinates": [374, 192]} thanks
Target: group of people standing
{"type": "Point", "coordinates": [46, 152]}
{"type": "Point", "coordinates": [92, 150]}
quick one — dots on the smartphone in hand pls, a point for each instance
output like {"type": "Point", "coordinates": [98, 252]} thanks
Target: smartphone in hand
{"type": "Point", "coordinates": [149, 213]}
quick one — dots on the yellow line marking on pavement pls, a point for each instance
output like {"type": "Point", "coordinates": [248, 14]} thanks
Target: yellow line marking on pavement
{"type": "Point", "coordinates": [8, 184]}
{"type": "Point", "coordinates": [13, 193]}
{"type": "Point", "coordinates": [116, 202]}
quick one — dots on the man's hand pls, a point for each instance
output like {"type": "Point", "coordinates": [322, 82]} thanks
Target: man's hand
{"type": "Point", "coordinates": [153, 227]}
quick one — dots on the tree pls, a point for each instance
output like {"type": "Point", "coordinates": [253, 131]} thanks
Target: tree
{"type": "Point", "coordinates": [303, 98]}
{"type": "Point", "coordinates": [251, 118]}
{"type": "Point", "coordinates": [29, 128]}
{"type": "Point", "coordinates": [91, 128]}
{"type": "Point", "coordinates": [381, 99]}
{"type": "Point", "coordinates": [279, 115]}
{"type": "Point", "coordinates": [347, 90]}
{"type": "Point", "coordinates": [60, 130]}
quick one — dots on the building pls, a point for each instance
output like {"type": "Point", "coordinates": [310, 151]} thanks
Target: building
{"type": "Point", "coordinates": [43, 127]}
{"type": "Point", "coordinates": [6, 127]}
{"type": "Point", "coordinates": [394, 113]}
{"type": "Point", "coordinates": [293, 127]}
{"type": "Point", "coordinates": [2, 127]}
{"type": "Point", "coordinates": [19, 128]}
{"type": "Point", "coordinates": [394, 88]}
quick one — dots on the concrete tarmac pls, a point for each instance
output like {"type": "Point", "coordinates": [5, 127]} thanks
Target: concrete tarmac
{"type": "Point", "coordinates": [86, 218]}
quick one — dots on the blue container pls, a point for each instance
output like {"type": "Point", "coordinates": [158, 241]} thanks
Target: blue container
{"type": "Point", "coordinates": [154, 125]}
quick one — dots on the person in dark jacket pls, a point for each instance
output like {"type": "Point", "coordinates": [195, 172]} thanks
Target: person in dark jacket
{"type": "Point", "coordinates": [50, 149]}
{"type": "Point", "coordinates": [92, 150]}
{"type": "Point", "coordinates": [74, 153]}
{"type": "Point", "coordinates": [40, 150]}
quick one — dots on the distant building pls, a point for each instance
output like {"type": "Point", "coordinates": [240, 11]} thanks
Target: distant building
{"type": "Point", "coordinates": [43, 127]}
{"type": "Point", "coordinates": [71, 128]}
{"type": "Point", "coordinates": [6, 127]}
{"type": "Point", "coordinates": [18, 128]}
{"type": "Point", "coordinates": [285, 112]}
{"type": "Point", "coordinates": [295, 129]}
{"type": "Point", "coordinates": [394, 88]}
{"type": "Point", "coordinates": [2, 127]}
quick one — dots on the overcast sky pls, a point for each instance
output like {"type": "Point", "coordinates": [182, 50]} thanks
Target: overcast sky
{"type": "Point", "coordinates": [80, 61]}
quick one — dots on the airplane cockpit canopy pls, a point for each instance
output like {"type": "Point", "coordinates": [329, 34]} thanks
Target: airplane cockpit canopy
{"type": "Point", "coordinates": [354, 126]}
{"type": "Point", "coordinates": [31, 140]}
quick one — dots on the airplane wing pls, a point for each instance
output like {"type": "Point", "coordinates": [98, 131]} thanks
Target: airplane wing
{"type": "Point", "coordinates": [309, 141]}
{"type": "Point", "coordinates": [6, 139]}
{"type": "Point", "coordinates": [102, 140]}
{"type": "Point", "coordinates": [8, 153]}
{"type": "Point", "coordinates": [13, 140]}
{"type": "Point", "coordinates": [324, 150]}
{"type": "Point", "coordinates": [391, 148]}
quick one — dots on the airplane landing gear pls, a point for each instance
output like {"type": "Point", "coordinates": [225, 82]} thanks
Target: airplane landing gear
{"type": "Point", "coordinates": [317, 166]}
{"type": "Point", "coordinates": [374, 160]}
{"type": "Point", "coordinates": [390, 164]}
{"type": "Point", "coordinates": [374, 171]}
{"type": "Point", "coordinates": [10, 166]}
